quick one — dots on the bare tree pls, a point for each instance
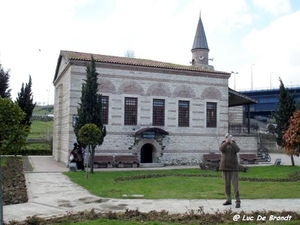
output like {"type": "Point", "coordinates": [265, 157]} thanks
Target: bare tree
{"type": "Point", "coordinates": [129, 53]}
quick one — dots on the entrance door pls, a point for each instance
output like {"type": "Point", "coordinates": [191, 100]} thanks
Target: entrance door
{"type": "Point", "coordinates": [146, 153]}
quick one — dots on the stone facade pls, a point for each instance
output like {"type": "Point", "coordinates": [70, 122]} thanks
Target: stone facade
{"type": "Point", "coordinates": [236, 115]}
{"type": "Point", "coordinates": [120, 81]}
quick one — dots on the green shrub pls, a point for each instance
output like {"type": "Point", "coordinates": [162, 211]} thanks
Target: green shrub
{"type": "Point", "coordinates": [31, 152]}
{"type": "Point", "coordinates": [294, 176]}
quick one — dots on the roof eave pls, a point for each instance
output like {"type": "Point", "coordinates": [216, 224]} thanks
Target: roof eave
{"type": "Point", "coordinates": [239, 99]}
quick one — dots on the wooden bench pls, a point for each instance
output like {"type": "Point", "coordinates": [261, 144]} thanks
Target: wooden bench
{"type": "Point", "coordinates": [210, 161]}
{"type": "Point", "coordinates": [248, 158]}
{"type": "Point", "coordinates": [126, 161]}
{"type": "Point", "coordinates": [103, 161]}
{"type": "Point", "coordinates": [212, 157]}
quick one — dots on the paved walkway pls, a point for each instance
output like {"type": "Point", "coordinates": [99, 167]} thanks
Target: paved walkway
{"type": "Point", "coordinates": [53, 194]}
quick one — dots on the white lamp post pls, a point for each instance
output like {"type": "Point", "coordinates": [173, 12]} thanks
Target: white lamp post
{"type": "Point", "coordinates": [252, 76]}
{"type": "Point", "coordinates": [234, 73]}
{"type": "Point", "coordinates": [271, 79]}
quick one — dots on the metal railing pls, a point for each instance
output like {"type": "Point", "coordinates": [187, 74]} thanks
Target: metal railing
{"type": "Point", "coordinates": [243, 128]}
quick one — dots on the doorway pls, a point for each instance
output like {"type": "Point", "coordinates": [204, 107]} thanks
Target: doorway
{"type": "Point", "coordinates": [147, 153]}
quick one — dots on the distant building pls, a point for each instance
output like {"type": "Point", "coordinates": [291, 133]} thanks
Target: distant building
{"type": "Point", "coordinates": [267, 101]}
{"type": "Point", "coordinates": [162, 112]}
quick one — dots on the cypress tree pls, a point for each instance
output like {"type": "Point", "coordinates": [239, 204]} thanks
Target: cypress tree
{"type": "Point", "coordinates": [285, 110]}
{"type": "Point", "coordinates": [25, 102]}
{"type": "Point", "coordinates": [89, 110]}
{"type": "Point", "coordinates": [4, 83]}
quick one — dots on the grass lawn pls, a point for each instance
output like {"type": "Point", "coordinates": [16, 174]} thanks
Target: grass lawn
{"type": "Point", "coordinates": [188, 183]}
{"type": "Point", "coordinates": [39, 129]}
{"type": "Point", "coordinates": [43, 110]}
{"type": "Point", "coordinates": [40, 133]}
{"type": "Point", "coordinates": [3, 160]}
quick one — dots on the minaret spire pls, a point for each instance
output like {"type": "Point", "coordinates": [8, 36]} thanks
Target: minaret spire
{"type": "Point", "coordinates": [200, 48]}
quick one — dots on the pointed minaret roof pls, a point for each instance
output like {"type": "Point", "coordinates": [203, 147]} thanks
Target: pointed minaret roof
{"type": "Point", "coordinates": [200, 41]}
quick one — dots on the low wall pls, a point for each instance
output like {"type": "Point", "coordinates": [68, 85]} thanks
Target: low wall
{"type": "Point", "coordinates": [247, 143]}
{"type": "Point", "coordinates": [269, 142]}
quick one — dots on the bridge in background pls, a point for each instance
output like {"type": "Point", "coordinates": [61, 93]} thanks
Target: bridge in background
{"type": "Point", "coordinates": [267, 101]}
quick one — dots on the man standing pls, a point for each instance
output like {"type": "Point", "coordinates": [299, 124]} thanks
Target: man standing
{"type": "Point", "coordinates": [230, 169]}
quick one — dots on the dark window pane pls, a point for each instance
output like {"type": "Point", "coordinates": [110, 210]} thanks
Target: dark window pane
{"type": "Point", "coordinates": [130, 114]}
{"type": "Point", "coordinates": [158, 112]}
{"type": "Point", "coordinates": [184, 114]}
{"type": "Point", "coordinates": [211, 114]}
{"type": "Point", "coordinates": [104, 110]}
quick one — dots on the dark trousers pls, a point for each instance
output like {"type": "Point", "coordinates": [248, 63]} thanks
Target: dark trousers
{"type": "Point", "coordinates": [80, 165]}
{"type": "Point", "coordinates": [231, 177]}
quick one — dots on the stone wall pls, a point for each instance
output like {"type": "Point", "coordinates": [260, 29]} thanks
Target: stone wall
{"type": "Point", "coordinates": [247, 143]}
{"type": "Point", "coordinates": [183, 145]}
{"type": "Point", "coordinates": [235, 115]}
{"type": "Point", "coordinates": [269, 141]}
{"type": "Point", "coordinates": [61, 122]}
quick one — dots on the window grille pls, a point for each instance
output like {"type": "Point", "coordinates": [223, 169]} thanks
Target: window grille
{"type": "Point", "coordinates": [184, 114]}
{"type": "Point", "coordinates": [158, 117]}
{"type": "Point", "coordinates": [130, 115]}
{"type": "Point", "coordinates": [211, 114]}
{"type": "Point", "coordinates": [105, 109]}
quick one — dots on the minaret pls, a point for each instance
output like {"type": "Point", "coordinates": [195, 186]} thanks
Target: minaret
{"type": "Point", "coordinates": [200, 48]}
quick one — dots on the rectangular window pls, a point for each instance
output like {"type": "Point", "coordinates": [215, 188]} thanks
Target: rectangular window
{"type": "Point", "coordinates": [130, 115]}
{"type": "Point", "coordinates": [184, 114]}
{"type": "Point", "coordinates": [104, 110]}
{"type": "Point", "coordinates": [75, 117]}
{"type": "Point", "coordinates": [211, 114]}
{"type": "Point", "coordinates": [158, 112]}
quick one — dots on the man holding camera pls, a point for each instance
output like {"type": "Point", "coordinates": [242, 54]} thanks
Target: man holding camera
{"type": "Point", "coordinates": [230, 168]}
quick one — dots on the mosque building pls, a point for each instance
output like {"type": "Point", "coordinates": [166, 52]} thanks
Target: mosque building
{"type": "Point", "coordinates": [161, 112]}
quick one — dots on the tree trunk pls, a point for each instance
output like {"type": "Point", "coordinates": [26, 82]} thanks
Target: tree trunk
{"type": "Point", "coordinates": [88, 163]}
{"type": "Point", "coordinates": [292, 159]}
{"type": "Point", "coordinates": [92, 159]}
{"type": "Point", "coordinates": [1, 194]}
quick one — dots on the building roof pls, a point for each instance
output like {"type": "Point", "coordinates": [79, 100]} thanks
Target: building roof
{"type": "Point", "coordinates": [200, 41]}
{"type": "Point", "coordinates": [81, 56]}
{"type": "Point", "coordinates": [117, 60]}
{"type": "Point", "coordinates": [236, 98]}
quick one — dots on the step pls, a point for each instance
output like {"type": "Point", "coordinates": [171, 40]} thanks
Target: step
{"type": "Point", "coordinates": [151, 165]}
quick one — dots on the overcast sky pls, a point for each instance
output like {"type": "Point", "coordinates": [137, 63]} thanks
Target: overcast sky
{"type": "Point", "coordinates": [258, 39]}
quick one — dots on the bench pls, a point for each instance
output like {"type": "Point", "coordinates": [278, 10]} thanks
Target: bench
{"type": "Point", "coordinates": [212, 157]}
{"type": "Point", "coordinates": [103, 161]}
{"type": "Point", "coordinates": [248, 158]}
{"type": "Point", "coordinates": [210, 161]}
{"type": "Point", "coordinates": [126, 161]}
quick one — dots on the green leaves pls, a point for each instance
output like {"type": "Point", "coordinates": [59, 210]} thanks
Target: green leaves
{"type": "Point", "coordinates": [89, 111]}
{"type": "Point", "coordinates": [285, 110]}
{"type": "Point", "coordinates": [4, 83]}
{"type": "Point", "coordinates": [12, 133]}
{"type": "Point", "coordinates": [89, 128]}
{"type": "Point", "coordinates": [25, 102]}
{"type": "Point", "coordinates": [90, 134]}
